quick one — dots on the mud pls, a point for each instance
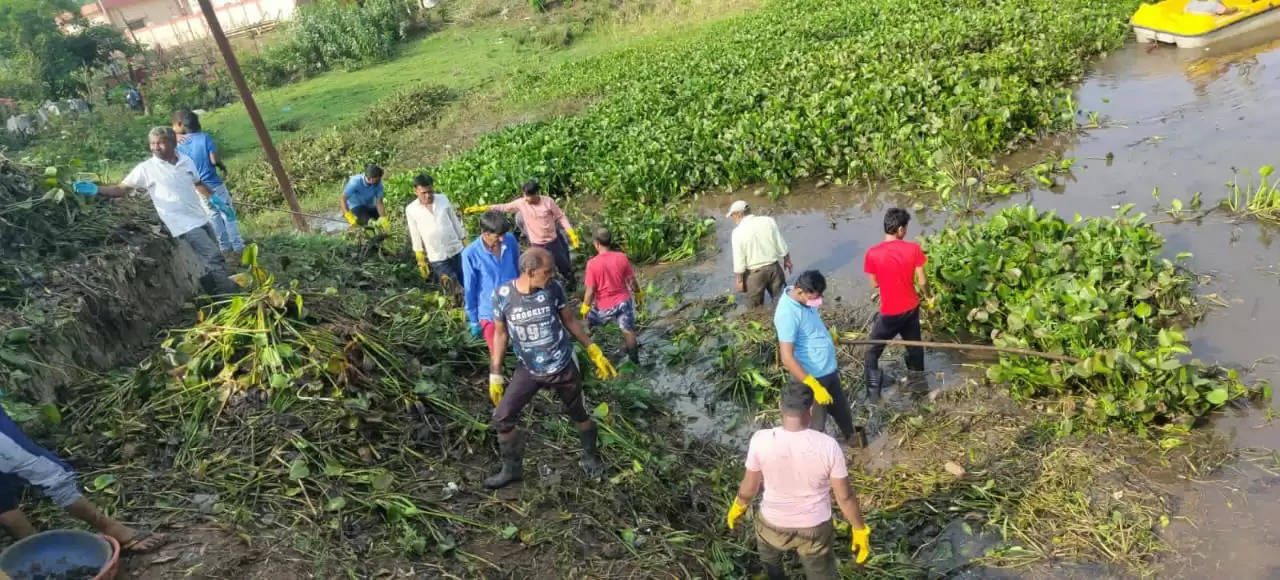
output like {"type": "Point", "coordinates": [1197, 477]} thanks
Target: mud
{"type": "Point", "coordinates": [100, 310]}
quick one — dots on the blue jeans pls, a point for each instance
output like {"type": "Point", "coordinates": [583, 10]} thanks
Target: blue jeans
{"type": "Point", "coordinates": [225, 226]}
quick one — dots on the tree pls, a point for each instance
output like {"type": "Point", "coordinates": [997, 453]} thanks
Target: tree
{"type": "Point", "coordinates": [38, 46]}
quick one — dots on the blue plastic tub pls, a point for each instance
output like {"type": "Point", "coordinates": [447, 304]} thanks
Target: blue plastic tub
{"type": "Point", "coordinates": [86, 188]}
{"type": "Point", "coordinates": [57, 552]}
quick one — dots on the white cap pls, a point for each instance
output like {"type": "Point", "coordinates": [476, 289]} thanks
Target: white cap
{"type": "Point", "coordinates": [737, 207]}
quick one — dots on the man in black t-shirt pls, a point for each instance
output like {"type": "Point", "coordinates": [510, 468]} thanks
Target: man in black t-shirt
{"type": "Point", "coordinates": [533, 312]}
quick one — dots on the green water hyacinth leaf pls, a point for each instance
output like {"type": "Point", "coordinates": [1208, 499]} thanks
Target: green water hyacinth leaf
{"type": "Point", "coordinates": [1109, 299]}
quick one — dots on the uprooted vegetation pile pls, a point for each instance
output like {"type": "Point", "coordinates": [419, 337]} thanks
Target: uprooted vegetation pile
{"type": "Point", "coordinates": [81, 280]}
{"type": "Point", "coordinates": [1094, 289]}
{"type": "Point", "coordinates": [355, 428]}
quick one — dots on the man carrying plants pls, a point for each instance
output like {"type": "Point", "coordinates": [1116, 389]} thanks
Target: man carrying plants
{"type": "Point", "coordinates": [758, 248]}
{"type": "Point", "coordinates": [895, 267]}
{"type": "Point", "coordinates": [489, 262]}
{"type": "Point", "coordinates": [436, 232]}
{"type": "Point", "coordinates": [362, 198]}
{"type": "Point", "coordinates": [200, 147]}
{"type": "Point", "coordinates": [613, 289]}
{"type": "Point", "coordinates": [173, 182]}
{"type": "Point", "coordinates": [808, 350]}
{"type": "Point", "coordinates": [800, 468]}
{"type": "Point", "coordinates": [533, 311]}
{"type": "Point", "coordinates": [541, 215]}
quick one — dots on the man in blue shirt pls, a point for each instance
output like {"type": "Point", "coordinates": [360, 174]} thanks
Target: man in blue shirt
{"type": "Point", "coordinates": [490, 261]}
{"type": "Point", "coordinates": [808, 351]}
{"type": "Point", "coordinates": [362, 197]}
{"type": "Point", "coordinates": [200, 147]}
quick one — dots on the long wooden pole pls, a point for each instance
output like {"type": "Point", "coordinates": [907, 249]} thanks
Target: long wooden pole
{"type": "Point", "coordinates": [958, 346]}
{"type": "Point", "coordinates": [246, 97]}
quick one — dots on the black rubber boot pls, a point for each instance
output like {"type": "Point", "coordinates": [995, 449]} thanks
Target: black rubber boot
{"type": "Point", "coordinates": [512, 454]}
{"type": "Point", "coordinates": [918, 381]}
{"type": "Point", "coordinates": [634, 355]}
{"type": "Point", "coordinates": [775, 572]}
{"type": "Point", "coordinates": [875, 383]}
{"type": "Point", "coordinates": [590, 463]}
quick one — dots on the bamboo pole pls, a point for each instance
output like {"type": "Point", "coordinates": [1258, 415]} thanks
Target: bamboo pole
{"type": "Point", "coordinates": [250, 106]}
{"type": "Point", "coordinates": [959, 346]}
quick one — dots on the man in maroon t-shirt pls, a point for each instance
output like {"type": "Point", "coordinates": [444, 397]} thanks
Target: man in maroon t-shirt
{"type": "Point", "coordinates": [896, 267]}
{"type": "Point", "coordinates": [612, 294]}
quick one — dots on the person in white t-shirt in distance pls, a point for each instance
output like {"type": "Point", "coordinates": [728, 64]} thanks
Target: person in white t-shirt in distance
{"type": "Point", "coordinates": [172, 181]}
{"type": "Point", "coordinates": [800, 468]}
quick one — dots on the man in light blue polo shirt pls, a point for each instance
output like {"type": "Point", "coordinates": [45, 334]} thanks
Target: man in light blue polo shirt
{"type": "Point", "coordinates": [809, 353]}
{"type": "Point", "coordinates": [362, 197]}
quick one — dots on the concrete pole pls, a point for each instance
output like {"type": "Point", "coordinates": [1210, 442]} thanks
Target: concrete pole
{"type": "Point", "coordinates": [246, 97]}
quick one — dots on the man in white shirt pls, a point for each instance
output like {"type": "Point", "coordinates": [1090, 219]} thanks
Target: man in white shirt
{"type": "Point", "coordinates": [436, 232]}
{"type": "Point", "coordinates": [757, 248]}
{"type": "Point", "coordinates": [173, 183]}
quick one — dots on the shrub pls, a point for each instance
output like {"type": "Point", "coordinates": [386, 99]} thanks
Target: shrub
{"type": "Point", "coordinates": [330, 34]}
{"type": "Point", "coordinates": [323, 157]}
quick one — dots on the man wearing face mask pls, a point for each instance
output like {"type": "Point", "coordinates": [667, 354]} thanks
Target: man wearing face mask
{"type": "Point", "coordinates": [808, 351]}
{"type": "Point", "coordinates": [533, 312]}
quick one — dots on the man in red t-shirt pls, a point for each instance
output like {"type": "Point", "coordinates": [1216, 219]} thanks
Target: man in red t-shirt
{"type": "Point", "coordinates": [611, 285]}
{"type": "Point", "coordinates": [893, 266]}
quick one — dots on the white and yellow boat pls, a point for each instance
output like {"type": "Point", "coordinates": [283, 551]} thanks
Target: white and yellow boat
{"type": "Point", "coordinates": [1167, 22]}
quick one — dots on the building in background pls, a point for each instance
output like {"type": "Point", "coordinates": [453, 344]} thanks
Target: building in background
{"type": "Point", "coordinates": [171, 23]}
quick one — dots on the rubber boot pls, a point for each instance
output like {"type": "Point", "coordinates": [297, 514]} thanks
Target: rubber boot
{"type": "Point", "coordinates": [512, 454]}
{"type": "Point", "coordinates": [775, 572]}
{"type": "Point", "coordinates": [875, 383]}
{"type": "Point", "coordinates": [590, 463]}
{"type": "Point", "coordinates": [917, 381]}
{"type": "Point", "coordinates": [634, 355]}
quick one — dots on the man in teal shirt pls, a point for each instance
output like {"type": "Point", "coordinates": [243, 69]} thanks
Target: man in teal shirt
{"type": "Point", "coordinates": [808, 351]}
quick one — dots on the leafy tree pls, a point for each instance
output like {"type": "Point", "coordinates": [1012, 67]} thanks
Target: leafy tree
{"type": "Point", "coordinates": [43, 59]}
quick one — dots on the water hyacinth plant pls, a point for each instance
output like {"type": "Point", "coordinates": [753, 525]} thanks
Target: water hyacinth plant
{"type": "Point", "coordinates": [1095, 289]}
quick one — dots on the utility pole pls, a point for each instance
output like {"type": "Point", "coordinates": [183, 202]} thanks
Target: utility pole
{"type": "Point", "coordinates": [246, 97]}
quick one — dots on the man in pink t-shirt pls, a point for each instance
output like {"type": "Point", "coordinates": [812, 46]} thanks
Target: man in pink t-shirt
{"type": "Point", "coordinates": [612, 294]}
{"type": "Point", "coordinates": [540, 215]}
{"type": "Point", "coordinates": [799, 468]}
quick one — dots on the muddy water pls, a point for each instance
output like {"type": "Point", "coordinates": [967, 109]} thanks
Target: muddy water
{"type": "Point", "coordinates": [1183, 121]}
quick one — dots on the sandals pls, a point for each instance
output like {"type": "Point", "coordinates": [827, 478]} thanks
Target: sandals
{"type": "Point", "coordinates": [139, 544]}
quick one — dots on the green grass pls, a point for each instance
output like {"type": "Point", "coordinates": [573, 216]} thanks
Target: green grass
{"type": "Point", "coordinates": [460, 58]}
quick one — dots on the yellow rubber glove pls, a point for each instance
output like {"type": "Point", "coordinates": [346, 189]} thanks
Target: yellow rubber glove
{"type": "Point", "coordinates": [639, 297]}
{"type": "Point", "coordinates": [495, 388]}
{"type": "Point", "coordinates": [383, 224]}
{"type": "Point", "coordinates": [820, 394]}
{"type": "Point", "coordinates": [351, 218]}
{"type": "Point", "coordinates": [735, 512]}
{"type": "Point", "coordinates": [835, 336]}
{"type": "Point", "coordinates": [475, 209]}
{"type": "Point", "coordinates": [604, 368]}
{"type": "Point", "coordinates": [423, 269]}
{"type": "Point", "coordinates": [861, 544]}
{"type": "Point", "coordinates": [584, 309]}
{"type": "Point", "coordinates": [573, 238]}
